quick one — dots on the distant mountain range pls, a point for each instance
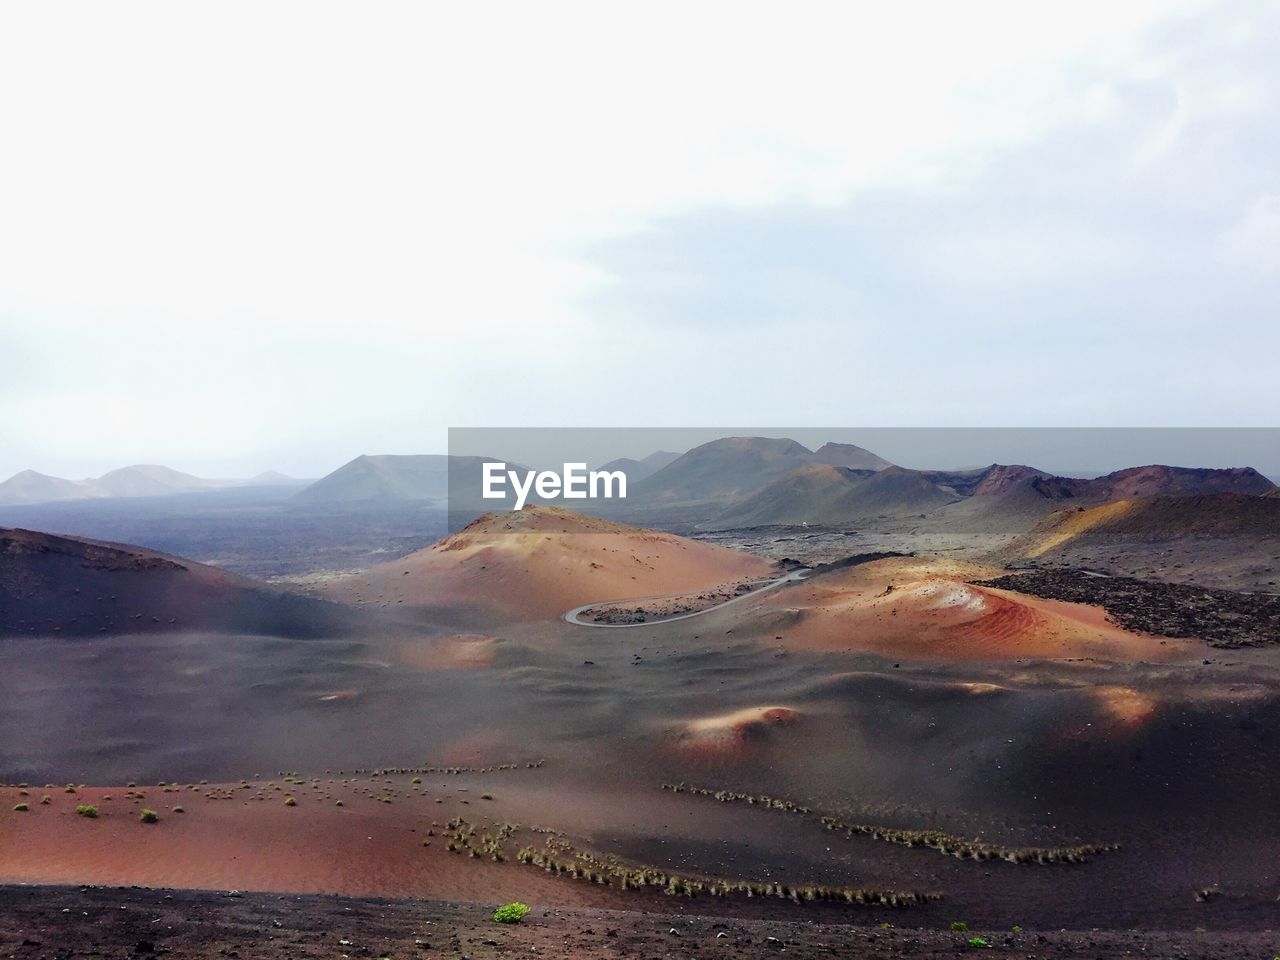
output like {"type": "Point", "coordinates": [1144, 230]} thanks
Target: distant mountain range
{"type": "Point", "coordinates": [400, 478]}
{"type": "Point", "coordinates": [818, 496]}
{"type": "Point", "coordinates": [726, 483]}
{"type": "Point", "coordinates": [139, 480]}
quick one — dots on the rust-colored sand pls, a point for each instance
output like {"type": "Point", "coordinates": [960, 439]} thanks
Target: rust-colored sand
{"type": "Point", "coordinates": [927, 609]}
{"type": "Point", "coordinates": [230, 837]}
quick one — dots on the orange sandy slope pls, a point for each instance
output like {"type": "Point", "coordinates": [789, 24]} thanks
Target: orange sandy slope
{"type": "Point", "coordinates": [543, 561]}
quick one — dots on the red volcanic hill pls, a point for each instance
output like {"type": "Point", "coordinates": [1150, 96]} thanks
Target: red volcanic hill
{"type": "Point", "coordinates": [1156, 480]}
{"type": "Point", "coordinates": [542, 561]}
{"type": "Point", "coordinates": [66, 585]}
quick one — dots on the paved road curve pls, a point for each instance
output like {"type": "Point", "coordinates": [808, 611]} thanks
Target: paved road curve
{"type": "Point", "coordinates": [573, 615]}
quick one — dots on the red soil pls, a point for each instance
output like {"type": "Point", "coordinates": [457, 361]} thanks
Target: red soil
{"type": "Point", "coordinates": [926, 609]}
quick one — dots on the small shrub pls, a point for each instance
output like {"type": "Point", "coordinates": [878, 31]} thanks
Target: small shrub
{"type": "Point", "coordinates": [959, 926]}
{"type": "Point", "coordinates": [1017, 929]}
{"type": "Point", "coordinates": [179, 810]}
{"type": "Point", "coordinates": [149, 816]}
{"type": "Point", "coordinates": [46, 800]}
{"type": "Point", "coordinates": [511, 913]}
{"type": "Point", "coordinates": [21, 808]}
{"type": "Point", "coordinates": [69, 789]}
{"type": "Point", "coordinates": [290, 802]}
{"type": "Point", "coordinates": [87, 810]}
{"type": "Point", "coordinates": [486, 796]}
{"type": "Point", "coordinates": [979, 942]}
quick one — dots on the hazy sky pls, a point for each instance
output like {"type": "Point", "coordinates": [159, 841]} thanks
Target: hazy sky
{"type": "Point", "coordinates": [242, 236]}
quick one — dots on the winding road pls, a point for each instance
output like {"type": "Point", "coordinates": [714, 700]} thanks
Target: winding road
{"type": "Point", "coordinates": [573, 615]}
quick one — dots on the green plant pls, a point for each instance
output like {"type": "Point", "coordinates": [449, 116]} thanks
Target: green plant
{"type": "Point", "coordinates": [149, 816]}
{"type": "Point", "coordinates": [1017, 929]}
{"type": "Point", "coordinates": [87, 810]}
{"type": "Point", "coordinates": [511, 913]}
{"type": "Point", "coordinates": [959, 926]}
{"type": "Point", "coordinates": [290, 802]}
{"type": "Point", "coordinates": [979, 942]}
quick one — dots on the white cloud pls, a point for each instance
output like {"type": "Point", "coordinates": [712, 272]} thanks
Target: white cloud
{"type": "Point", "coordinates": [1253, 242]}
{"type": "Point", "coordinates": [256, 197]}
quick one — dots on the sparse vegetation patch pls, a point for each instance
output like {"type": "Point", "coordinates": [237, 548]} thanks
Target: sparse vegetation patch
{"type": "Point", "coordinates": [937, 840]}
{"type": "Point", "coordinates": [511, 912]}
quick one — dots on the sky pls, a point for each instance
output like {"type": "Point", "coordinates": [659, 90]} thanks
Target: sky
{"type": "Point", "coordinates": [238, 237]}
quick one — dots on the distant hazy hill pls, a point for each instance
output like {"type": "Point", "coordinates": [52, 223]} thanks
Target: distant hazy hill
{"type": "Point", "coordinates": [148, 480]}
{"type": "Point", "coordinates": [736, 467]}
{"type": "Point", "coordinates": [394, 478]}
{"type": "Point", "coordinates": [727, 468]}
{"type": "Point", "coordinates": [637, 470]}
{"type": "Point", "coordinates": [32, 487]}
{"type": "Point", "coordinates": [139, 480]}
{"type": "Point", "coordinates": [384, 477]}
{"type": "Point", "coordinates": [72, 586]}
{"type": "Point", "coordinates": [848, 455]}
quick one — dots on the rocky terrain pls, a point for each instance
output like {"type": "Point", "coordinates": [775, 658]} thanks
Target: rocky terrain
{"type": "Point", "coordinates": [1221, 618]}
